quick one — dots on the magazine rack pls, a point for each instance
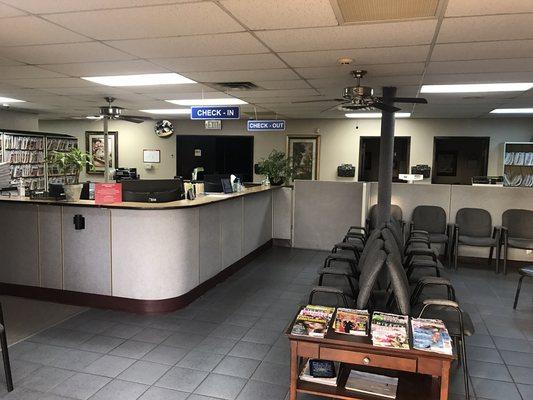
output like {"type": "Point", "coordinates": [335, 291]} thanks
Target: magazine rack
{"type": "Point", "coordinates": [421, 374]}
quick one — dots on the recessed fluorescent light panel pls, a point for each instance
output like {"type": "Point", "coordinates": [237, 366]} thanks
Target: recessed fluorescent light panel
{"type": "Point", "coordinates": [140, 80]}
{"type": "Point", "coordinates": [168, 111]}
{"type": "Point", "coordinates": [477, 88]}
{"type": "Point", "coordinates": [227, 101]}
{"type": "Point", "coordinates": [512, 111]}
{"type": "Point", "coordinates": [10, 100]}
{"type": "Point", "coordinates": [94, 117]}
{"type": "Point", "coordinates": [375, 115]}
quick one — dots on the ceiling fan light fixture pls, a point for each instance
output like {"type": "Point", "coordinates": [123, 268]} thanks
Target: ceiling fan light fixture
{"type": "Point", "coordinates": [478, 87]}
{"type": "Point", "coordinates": [168, 111]}
{"type": "Point", "coordinates": [512, 111]}
{"type": "Point", "coordinates": [227, 101]}
{"type": "Point", "coordinates": [344, 60]}
{"type": "Point", "coordinates": [140, 80]}
{"type": "Point", "coordinates": [375, 115]}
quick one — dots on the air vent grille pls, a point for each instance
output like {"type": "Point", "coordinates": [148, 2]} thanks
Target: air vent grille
{"type": "Point", "coordinates": [381, 10]}
{"type": "Point", "coordinates": [237, 85]}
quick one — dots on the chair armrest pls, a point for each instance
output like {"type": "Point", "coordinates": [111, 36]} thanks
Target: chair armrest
{"type": "Point", "coordinates": [335, 271]}
{"type": "Point", "coordinates": [357, 228]}
{"type": "Point", "coordinates": [441, 303]}
{"type": "Point", "coordinates": [422, 252]}
{"type": "Point", "coordinates": [432, 281]}
{"type": "Point", "coordinates": [419, 231]}
{"type": "Point", "coordinates": [327, 289]}
{"type": "Point", "coordinates": [355, 235]}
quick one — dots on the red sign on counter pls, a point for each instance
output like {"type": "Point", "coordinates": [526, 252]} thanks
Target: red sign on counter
{"type": "Point", "coordinates": [107, 193]}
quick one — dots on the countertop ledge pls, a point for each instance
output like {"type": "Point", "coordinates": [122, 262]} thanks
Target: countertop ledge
{"type": "Point", "coordinates": [199, 201]}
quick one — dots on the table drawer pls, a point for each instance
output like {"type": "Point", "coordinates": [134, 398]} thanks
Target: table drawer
{"type": "Point", "coordinates": [368, 359]}
{"type": "Point", "coordinates": [309, 350]}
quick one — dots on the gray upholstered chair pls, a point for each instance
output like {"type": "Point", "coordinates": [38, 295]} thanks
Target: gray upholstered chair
{"type": "Point", "coordinates": [5, 352]}
{"type": "Point", "coordinates": [473, 227]}
{"type": "Point", "coordinates": [372, 219]}
{"type": "Point", "coordinates": [517, 232]}
{"type": "Point", "coordinates": [431, 221]}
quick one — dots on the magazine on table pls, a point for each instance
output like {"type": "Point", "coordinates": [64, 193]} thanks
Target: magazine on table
{"type": "Point", "coordinates": [375, 384]}
{"type": "Point", "coordinates": [390, 330]}
{"type": "Point", "coordinates": [326, 373]}
{"type": "Point", "coordinates": [431, 335]}
{"type": "Point", "coordinates": [313, 321]}
{"type": "Point", "coordinates": [351, 322]}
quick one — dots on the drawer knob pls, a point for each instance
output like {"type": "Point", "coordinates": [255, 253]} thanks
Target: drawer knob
{"type": "Point", "coordinates": [366, 360]}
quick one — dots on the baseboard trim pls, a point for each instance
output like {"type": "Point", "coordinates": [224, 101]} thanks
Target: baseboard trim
{"type": "Point", "coordinates": [126, 304]}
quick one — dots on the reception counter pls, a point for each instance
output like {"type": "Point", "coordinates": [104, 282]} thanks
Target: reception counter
{"type": "Point", "coordinates": [132, 256]}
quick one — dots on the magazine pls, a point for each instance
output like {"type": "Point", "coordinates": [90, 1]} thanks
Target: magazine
{"type": "Point", "coordinates": [312, 321]}
{"type": "Point", "coordinates": [375, 384]}
{"type": "Point", "coordinates": [306, 376]}
{"type": "Point", "coordinates": [390, 330]}
{"type": "Point", "coordinates": [351, 322]}
{"type": "Point", "coordinates": [431, 335]}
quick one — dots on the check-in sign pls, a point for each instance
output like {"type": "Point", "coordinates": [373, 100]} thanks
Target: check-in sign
{"type": "Point", "coordinates": [265, 125]}
{"type": "Point", "coordinates": [205, 113]}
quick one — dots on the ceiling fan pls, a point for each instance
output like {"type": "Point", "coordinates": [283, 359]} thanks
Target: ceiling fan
{"type": "Point", "coordinates": [362, 98]}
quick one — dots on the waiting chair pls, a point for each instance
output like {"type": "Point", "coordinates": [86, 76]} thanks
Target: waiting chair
{"type": "Point", "coordinates": [517, 232]}
{"type": "Point", "coordinates": [5, 352]}
{"type": "Point", "coordinates": [524, 271]}
{"type": "Point", "coordinates": [473, 227]}
{"type": "Point", "coordinates": [430, 221]}
{"type": "Point", "coordinates": [372, 219]}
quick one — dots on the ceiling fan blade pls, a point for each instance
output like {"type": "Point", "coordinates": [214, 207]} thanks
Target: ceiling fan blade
{"type": "Point", "coordinates": [384, 107]}
{"type": "Point", "coordinates": [334, 107]}
{"type": "Point", "coordinates": [416, 100]}
{"type": "Point", "coordinates": [316, 101]}
{"type": "Point", "coordinates": [135, 119]}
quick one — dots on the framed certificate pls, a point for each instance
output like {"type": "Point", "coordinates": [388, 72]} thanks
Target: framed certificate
{"type": "Point", "coordinates": [152, 156]}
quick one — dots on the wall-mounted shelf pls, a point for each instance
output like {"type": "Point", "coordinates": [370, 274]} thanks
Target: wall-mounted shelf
{"type": "Point", "coordinates": [518, 164]}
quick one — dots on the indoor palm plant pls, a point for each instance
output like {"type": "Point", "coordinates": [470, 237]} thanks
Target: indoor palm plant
{"type": "Point", "coordinates": [70, 163]}
{"type": "Point", "coordinates": [277, 167]}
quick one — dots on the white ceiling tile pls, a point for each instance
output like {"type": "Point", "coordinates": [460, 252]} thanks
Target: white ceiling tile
{"type": "Point", "coordinates": [64, 53]}
{"type": "Point", "coordinates": [169, 90]}
{"type": "Point", "coordinates": [275, 14]}
{"type": "Point", "coordinates": [457, 8]}
{"type": "Point", "coordinates": [29, 30]}
{"type": "Point", "coordinates": [256, 94]}
{"type": "Point", "coordinates": [468, 99]}
{"type": "Point", "coordinates": [97, 91]}
{"type": "Point", "coordinates": [295, 84]}
{"type": "Point", "coordinates": [478, 78]}
{"type": "Point", "coordinates": [351, 36]}
{"type": "Point", "coordinates": [190, 46]}
{"type": "Point", "coordinates": [473, 66]}
{"type": "Point", "coordinates": [7, 62]}
{"type": "Point", "coordinates": [43, 6]}
{"type": "Point", "coordinates": [482, 50]}
{"type": "Point", "coordinates": [7, 11]}
{"type": "Point", "coordinates": [51, 83]}
{"type": "Point", "coordinates": [106, 68]}
{"type": "Point", "coordinates": [485, 28]}
{"type": "Point", "coordinates": [221, 63]}
{"type": "Point", "coordinates": [190, 95]}
{"type": "Point", "coordinates": [147, 22]}
{"type": "Point", "coordinates": [360, 56]}
{"type": "Point", "coordinates": [373, 70]}
{"type": "Point", "coordinates": [26, 71]}
{"type": "Point", "coordinates": [234, 76]}
{"type": "Point", "coordinates": [401, 80]}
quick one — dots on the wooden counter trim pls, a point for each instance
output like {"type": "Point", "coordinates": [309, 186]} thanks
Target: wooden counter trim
{"type": "Point", "coordinates": [125, 304]}
{"type": "Point", "coordinates": [173, 205]}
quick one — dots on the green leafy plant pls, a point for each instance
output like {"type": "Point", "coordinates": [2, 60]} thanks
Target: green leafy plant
{"type": "Point", "coordinates": [277, 167]}
{"type": "Point", "coordinates": [69, 162]}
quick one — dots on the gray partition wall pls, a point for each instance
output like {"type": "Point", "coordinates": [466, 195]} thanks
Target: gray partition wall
{"type": "Point", "coordinates": [323, 212]}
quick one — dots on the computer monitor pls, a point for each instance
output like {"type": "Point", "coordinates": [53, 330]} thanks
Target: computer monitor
{"type": "Point", "coordinates": [153, 190]}
{"type": "Point", "coordinates": [213, 182]}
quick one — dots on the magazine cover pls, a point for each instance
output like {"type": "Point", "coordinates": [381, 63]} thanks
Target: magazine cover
{"type": "Point", "coordinates": [390, 330]}
{"type": "Point", "coordinates": [351, 322]}
{"type": "Point", "coordinates": [313, 321]}
{"type": "Point", "coordinates": [431, 335]}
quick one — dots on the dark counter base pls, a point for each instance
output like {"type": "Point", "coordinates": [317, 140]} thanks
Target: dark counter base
{"type": "Point", "coordinates": [125, 304]}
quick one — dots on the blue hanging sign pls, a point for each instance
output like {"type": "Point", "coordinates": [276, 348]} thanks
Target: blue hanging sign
{"type": "Point", "coordinates": [215, 112]}
{"type": "Point", "coordinates": [258, 125]}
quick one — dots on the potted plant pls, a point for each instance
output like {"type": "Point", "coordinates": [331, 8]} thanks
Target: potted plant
{"type": "Point", "coordinates": [277, 167]}
{"type": "Point", "coordinates": [70, 163]}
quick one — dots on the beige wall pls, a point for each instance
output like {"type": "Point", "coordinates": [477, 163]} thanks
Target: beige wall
{"type": "Point", "coordinates": [339, 138]}
{"type": "Point", "coordinates": [18, 121]}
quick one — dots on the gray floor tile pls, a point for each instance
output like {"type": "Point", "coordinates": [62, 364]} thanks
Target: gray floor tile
{"type": "Point", "coordinates": [228, 331]}
{"type": "Point", "coordinates": [132, 349]}
{"type": "Point", "coordinates": [221, 386]}
{"type": "Point", "coordinates": [122, 331]}
{"type": "Point", "coordinates": [101, 344]}
{"type": "Point", "coordinates": [236, 366]}
{"type": "Point", "coordinates": [184, 340]}
{"type": "Point", "coordinates": [20, 369]}
{"type": "Point", "coordinates": [73, 359]}
{"type": "Point", "coordinates": [480, 340]}
{"type": "Point", "coordinates": [80, 386]}
{"type": "Point", "coordinates": [166, 355]}
{"type": "Point", "coordinates": [200, 397]}
{"type": "Point", "coordinates": [276, 374]}
{"type": "Point", "coordinates": [278, 355]}
{"type": "Point", "coordinates": [144, 372]}
{"type": "Point", "coordinates": [521, 374]}
{"type": "Point", "coordinates": [110, 366]}
{"type": "Point", "coordinates": [120, 390]}
{"type": "Point", "coordinates": [483, 354]}
{"type": "Point", "coordinates": [480, 369]}
{"type": "Point", "coordinates": [250, 350]}
{"type": "Point", "coordinates": [526, 391]}
{"type": "Point", "coordinates": [45, 378]}
{"type": "Point", "coordinates": [517, 358]}
{"type": "Point", "coordinates": [495, 390]}
{"type": "Point", "coordinates": [262, 336]}
{"type": "Point", "coordinates": [255, 390]}
{"type": "Point", "coordinates": [200, 360]}
{"type": "Point", "coordinates": [152, 335]}
{"type": "Point", "coordinates": [521, 345]}
{"type": "Point", "coordinates": [182, 379]}
{"type": "Point", "coordinates": [216, 345]}
{"type": "Point", "coordinates": [246, 321]}
{"type": "Point", "coordinates": [198, 327]}
{"type": "Point", "coordinates": [157, 393]}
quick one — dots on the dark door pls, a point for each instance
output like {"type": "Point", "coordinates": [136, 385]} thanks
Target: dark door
{"type": "Point", "coordinates": [457, 159]}
{"type": "Point", "coordinates": [369, 158]}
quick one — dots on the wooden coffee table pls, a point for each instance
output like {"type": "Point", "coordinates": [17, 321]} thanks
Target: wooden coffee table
{"type": "Point", "coordinates": [421, 374]}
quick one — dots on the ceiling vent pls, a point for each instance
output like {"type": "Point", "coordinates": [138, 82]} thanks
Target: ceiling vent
{"type": "Point", "coordinates": [237, 85]}
{"type": "Point", "coordinates": [353, 11]}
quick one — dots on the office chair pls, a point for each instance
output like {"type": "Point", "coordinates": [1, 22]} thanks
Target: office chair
{"type": "Point", "coordinates": [5, 352]}
{"type": "Point", "coordinates": [517, 232]}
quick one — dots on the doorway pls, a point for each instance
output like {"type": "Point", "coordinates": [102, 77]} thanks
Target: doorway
{"type": "Point", "coordinates": [369, 158]}
{"type": "Point", "coordinates": [457, 159]}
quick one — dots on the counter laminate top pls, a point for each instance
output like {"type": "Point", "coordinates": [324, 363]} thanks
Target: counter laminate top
{"type": "Point", "coordinates": [199, 201]}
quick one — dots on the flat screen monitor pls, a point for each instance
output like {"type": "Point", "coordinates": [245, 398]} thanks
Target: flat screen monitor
{"type": "Point", "coordinates": [153, 190]}
{"type": "Point", "coordinates": [213, 182]}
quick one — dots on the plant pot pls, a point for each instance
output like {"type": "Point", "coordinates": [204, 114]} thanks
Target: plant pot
{"type": "Point", "coordinates": [73, 192]}
{"type": "Point", "coordinates": [277, 183]}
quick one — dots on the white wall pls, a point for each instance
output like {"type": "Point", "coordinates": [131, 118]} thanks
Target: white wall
{"type": "Point", "coordinates": [339, 138]}
{"type": "Point", "coordinates": [18, 121]}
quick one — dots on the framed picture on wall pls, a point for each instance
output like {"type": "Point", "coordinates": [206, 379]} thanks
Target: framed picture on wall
{"type": "Point", "coordinates": [446, 163]}
{"type": "Point", "coordinates": [94, 145]}
{"type": "Point", "coordinates": [304, 151]}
